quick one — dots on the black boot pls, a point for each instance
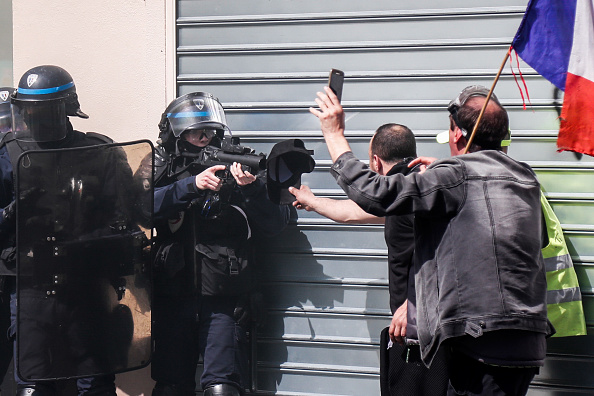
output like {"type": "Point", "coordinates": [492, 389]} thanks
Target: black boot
{"type": "Point", "coordinates": [222, 390]}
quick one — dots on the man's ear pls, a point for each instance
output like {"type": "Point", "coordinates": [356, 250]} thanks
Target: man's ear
{"type": "Point", "coordinates": [458, 135]}
{"type": "Point", "coordinates": [377, 163]}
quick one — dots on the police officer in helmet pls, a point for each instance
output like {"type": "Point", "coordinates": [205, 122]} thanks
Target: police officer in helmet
{"type": "Point", "coordinates": [204, 270]}
{"type": "Point", "coordinates": [45, 98]}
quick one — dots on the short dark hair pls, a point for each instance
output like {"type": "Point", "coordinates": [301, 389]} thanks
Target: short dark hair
{"type": "Point", "coordinates": [393, 142]}
{"type": "Point", "coordinates": [493, 128]}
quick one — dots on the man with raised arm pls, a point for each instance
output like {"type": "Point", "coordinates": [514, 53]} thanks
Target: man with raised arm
{"type": "Point", "coordinates": [391, 149]}
{"type": "Point", "coordinates": [479, 274]}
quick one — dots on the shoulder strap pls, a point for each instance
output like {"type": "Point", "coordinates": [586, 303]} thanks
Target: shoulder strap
{"type": "Point", "coordinates": [5, 138]}
{"type": "Point", "coordinates": [13, 148]}
{"type": "Point", "coordinates": [249, 230]}
{"type": "Point", "coordinates": [162, 162]}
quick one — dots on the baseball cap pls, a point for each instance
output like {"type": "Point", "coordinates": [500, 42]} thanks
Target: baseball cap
{"type": "Point", "coordinates": [288, 159]}
{"type": "Point", "coordinates": [462, 98]}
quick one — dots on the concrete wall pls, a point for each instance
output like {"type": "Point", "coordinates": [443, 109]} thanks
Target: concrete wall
{"type": "Point", "coordinates": [5, 43]}
{"type": "Point", "coordinates": [115, 50]}
{"type": "Point", "coordinates": [117, 53]}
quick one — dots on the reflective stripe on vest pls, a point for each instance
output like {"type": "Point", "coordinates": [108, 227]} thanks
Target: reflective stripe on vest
{"type": "Point", "coordinates": [564, 298]}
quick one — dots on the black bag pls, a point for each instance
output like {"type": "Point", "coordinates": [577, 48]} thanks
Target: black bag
{"type": "Point", "coordinates": [169, 258]}
{"type": "Point", "coordinates": [403, 373]}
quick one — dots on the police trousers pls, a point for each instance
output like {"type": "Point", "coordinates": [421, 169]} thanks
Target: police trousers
{"type": "Point", "coordinates": [185, 328]}
{"type": "Point", "coordinates": [99, 385]}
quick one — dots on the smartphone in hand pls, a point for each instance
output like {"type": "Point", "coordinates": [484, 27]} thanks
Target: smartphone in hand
{"type": "Point", "coordinates": [335, 82]}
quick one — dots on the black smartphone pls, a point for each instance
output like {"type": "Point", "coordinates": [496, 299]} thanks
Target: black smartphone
{"type": "Point", "coordinates": [335, 82]}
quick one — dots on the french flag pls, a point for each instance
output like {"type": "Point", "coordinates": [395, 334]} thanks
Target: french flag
{"type": "Point", "coordinates": [556, 38]}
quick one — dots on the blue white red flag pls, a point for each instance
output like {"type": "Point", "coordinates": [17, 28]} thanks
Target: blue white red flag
{"type": "Point", "coordinates": [556, 38]}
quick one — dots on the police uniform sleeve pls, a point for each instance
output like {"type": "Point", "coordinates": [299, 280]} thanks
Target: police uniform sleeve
{"type": "Point", "coordinates": [6, 192]}
{"type": "Point", "coordinates": [173, 198]}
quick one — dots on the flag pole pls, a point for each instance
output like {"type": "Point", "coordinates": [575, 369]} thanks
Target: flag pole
{"type": "Point", "coordinates": [476, 124]}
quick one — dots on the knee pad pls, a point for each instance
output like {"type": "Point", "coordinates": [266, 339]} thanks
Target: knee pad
{"type": "Point", "coordinates": [222, 390]}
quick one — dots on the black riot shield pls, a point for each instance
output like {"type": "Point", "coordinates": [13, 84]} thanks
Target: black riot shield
{"type": "Point", "coordinates": [84, 228]}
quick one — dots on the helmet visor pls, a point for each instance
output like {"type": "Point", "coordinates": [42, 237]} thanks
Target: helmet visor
{"type": "Point", "coordinates": [5, 117]}
{"type": "Point", "coordinates": [197, 113]}
{"type": "Point", "coordinates": [39, 121]}
{"type": "Point", "coordinates": [5, 123]}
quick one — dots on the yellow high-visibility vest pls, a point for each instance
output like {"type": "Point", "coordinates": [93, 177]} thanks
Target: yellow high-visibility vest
{"type": "Point", "coordinates": [564, 298]}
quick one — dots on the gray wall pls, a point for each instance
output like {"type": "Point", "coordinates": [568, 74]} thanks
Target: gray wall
{"type": "Point", "coordinates": [5, 43]}
{"type": "Point", "coordinates": [326, 283]}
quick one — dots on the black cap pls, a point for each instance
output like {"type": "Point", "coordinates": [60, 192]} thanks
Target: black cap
{"type": "Point", "coordinates": [285, 164]}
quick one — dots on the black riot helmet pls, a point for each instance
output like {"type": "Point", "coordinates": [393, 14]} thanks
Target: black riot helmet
{"type": "Point", "coordinates": [45, 97]}
{"type": "Point", "coordinates": [5, 114]}
{"type": "Point", "coordinates": [196, 110]}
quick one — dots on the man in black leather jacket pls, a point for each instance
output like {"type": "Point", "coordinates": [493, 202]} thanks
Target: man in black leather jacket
{"type": "Point", "coordinates": [481, 287]}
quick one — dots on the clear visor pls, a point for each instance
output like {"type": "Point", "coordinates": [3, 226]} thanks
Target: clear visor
{"type": "Point", "coordinates": [5, 123]}
{"type": "Point", "coordinates": [39, 121]}
{"type": "Point", "coordinates": [197, 113]}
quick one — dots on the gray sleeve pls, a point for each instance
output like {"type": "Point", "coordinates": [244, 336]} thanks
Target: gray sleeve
{"type": "Point", "coordinates": [439, 191]}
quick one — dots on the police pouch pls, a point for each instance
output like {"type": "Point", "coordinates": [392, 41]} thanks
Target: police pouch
{"type": "Point", "coordinates": [170, 258]}
{"type": "Point", "coordinates": [225, 270]}
{"type": "Point", "coordinates": [172, 277]}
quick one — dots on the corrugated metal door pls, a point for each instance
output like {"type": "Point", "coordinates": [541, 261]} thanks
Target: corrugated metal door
{"type": "Point", "coordinates": [326, 284]}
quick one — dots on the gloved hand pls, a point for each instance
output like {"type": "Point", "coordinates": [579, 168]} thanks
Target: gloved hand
{"type": "Point", "coordinates": [9, 214]}
{"type": "Point", "coordinates": [250, 307]}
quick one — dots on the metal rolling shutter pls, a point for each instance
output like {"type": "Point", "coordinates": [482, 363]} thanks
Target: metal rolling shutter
{"type": "Point", "coordinates": [326, 284]}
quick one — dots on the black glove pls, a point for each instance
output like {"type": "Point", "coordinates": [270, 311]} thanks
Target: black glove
{"type": "Point", "coordinates": [250, 307]}
{"type": "Point", "coordinates": [241, 313]}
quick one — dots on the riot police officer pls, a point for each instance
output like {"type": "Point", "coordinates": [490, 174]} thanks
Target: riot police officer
{"type": "Point", "coordinates": [204, 270]}
{"type": "Point", "coordinates": [5, 281]}
{"type": "Point", "coordinates": [45, 98]}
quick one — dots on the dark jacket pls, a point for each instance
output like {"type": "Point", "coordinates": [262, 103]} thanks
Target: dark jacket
{"type": "Point", "coordinates": [208, 246]}
{"type": "Point", "coordinates": [8, 147]}
{"type": "Point", "coordinates": [478, 265]}
{"type": "Point", "coordinates": [265, 217]}
{"type": "Point", "coordinates": [400, 240]}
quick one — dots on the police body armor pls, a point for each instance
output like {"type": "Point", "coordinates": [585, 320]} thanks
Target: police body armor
{"type": "Point", "coordinates": [83, 261]}
{"type": "Point", "coordinates": [206, 250]}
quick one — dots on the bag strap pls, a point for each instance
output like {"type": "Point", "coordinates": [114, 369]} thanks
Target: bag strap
{"type": "Point", "coordinates": [249, 235]}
